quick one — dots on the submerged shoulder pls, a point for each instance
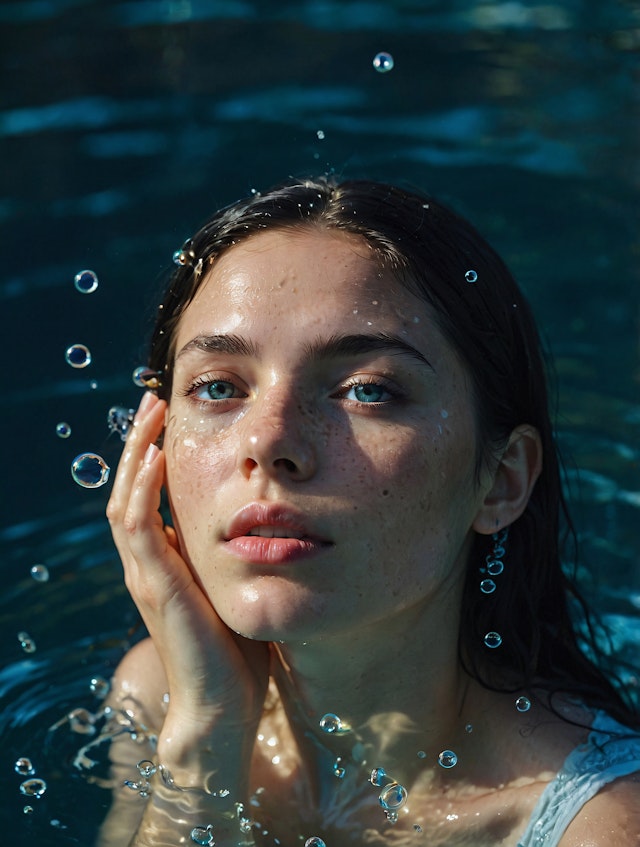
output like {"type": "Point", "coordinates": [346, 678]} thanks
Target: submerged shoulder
{"type": "Point", "coordinates": [139, 684]}
{"type": "Point", "coordinates": [610, 819]}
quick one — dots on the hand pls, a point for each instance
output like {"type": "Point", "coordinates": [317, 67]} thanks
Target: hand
{"type": "Point", "coordinates": [217, 679]}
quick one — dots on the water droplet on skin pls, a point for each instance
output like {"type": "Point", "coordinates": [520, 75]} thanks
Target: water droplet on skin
{"type": "Point", "coordinates": [393, 797]}
{"type": "Point", "coordinates": [331, 723]}
{"type": "Point", "coordinates": [90, 470]}
{"type": "Point", "coordinates": [383, 62]}
{"type": "Point", "coordinates": [85, 282]}
{"type": "Point", "coordinates": [63, 430]}
{"type": "Point", "coordinates": [33, 787]}
{"type": "Point", "coordinates": [24, 766]}
{"type": "Point", "coordinates": [314, 841]}
{"type": "Point", "coordinates": [523, 704]}
{"type": "Point", "coordinates": [78, 356]}
{"type": "Point", "coordinates": [120, 420]}
{"type": "Point", "coordinates": [99, 686]}
{"type": "Point", "coordinates": [39, 573]}
{"type": "Point", "coordinates": [487, 586]}
{"type": "Point", "coordinates": [447, 759]}
{"type": "Point", "coordinates": [320, 134]}
{"type": "Point", "coordinates": [26, 642]}
{"type": "Point", "coordinates": [493, 640]}
{"type": "Point", "coordinates": [471, 276]}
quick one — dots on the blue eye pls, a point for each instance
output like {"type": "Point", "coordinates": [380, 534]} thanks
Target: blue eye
{"type": "Point", "coordinates": [217, 389]}
{"type": "Point", "coordinates": [368, 392]}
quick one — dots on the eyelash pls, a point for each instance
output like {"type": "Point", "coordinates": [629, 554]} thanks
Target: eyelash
{"type": "Point", "coordinates": [355, 382]}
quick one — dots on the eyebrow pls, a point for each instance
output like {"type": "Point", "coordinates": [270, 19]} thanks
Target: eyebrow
{"type": "Point", "coordinates": [335, 347]}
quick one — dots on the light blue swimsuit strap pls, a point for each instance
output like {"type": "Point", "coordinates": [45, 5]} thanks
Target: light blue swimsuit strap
{"type": "Point", "coordinates": [611, 751]}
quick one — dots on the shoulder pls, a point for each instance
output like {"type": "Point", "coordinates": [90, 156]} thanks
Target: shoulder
{"type": "Point", "coordinates": [139, 685]}
{"type": "Point", "coordinates": [610, 819]}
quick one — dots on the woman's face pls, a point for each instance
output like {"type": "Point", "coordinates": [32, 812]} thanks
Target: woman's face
{"type": "Point", "coordinates": [320, 441]}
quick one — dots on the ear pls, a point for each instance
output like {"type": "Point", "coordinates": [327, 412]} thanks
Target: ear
{"type": "Point", "coordinates": [513, 481]}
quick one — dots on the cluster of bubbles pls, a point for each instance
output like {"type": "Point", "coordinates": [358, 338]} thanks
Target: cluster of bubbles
{"type": "Point", "coordinates": [120, 420]}
{"type": "Point", "coordinates": [32, 786]}
{"type": "Point", "coordinates": [392, 796]}
{"type": "Point", "coordinates": [383, 62]}
{"type": "Point", "coordinates": [146, 769]}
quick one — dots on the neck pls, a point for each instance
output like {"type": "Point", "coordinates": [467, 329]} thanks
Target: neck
{"type": "Point", "coordinates": [399, 689]}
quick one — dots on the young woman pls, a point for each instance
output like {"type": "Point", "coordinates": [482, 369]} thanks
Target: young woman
{"type": "Point", "coordinates": [360, 631]}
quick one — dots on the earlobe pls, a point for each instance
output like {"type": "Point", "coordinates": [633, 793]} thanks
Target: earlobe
{"type": "Point", "coordinates": [513, 481]}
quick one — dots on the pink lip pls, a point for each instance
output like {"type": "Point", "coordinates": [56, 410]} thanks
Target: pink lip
{"type": "Point", "coordinates": [302, 542]}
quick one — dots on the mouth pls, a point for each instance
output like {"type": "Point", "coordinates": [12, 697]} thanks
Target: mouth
{"type": "Point", "coordinates": [268, 533]}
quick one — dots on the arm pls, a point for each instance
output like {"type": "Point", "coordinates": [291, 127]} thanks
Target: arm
{"type": "Point", "coordinates": [216, 679]}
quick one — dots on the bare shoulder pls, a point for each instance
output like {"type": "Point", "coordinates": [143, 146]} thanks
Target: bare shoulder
{"type": "Point", "coordinates": [610, 819]}
{"type": "Point", "coordinates": [140, 683]}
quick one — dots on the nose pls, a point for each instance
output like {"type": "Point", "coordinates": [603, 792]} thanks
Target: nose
{"type": "Point", "coordinates": [278, 439]}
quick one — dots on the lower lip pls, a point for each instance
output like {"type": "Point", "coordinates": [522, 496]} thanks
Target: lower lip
{"type": "Point", "coordinates": [274, 551]}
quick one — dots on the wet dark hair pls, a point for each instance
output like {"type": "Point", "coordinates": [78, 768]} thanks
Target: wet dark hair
{"type": "Point", "coordinates": [549, 641]}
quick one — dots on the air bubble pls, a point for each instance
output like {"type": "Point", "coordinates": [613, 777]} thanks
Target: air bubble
{"type": "Point", "coordinates": [146, 768]}
{"type": "Point", "coordinates": [523, 704]}
{"type": "Point", "coordinates": [144, 377]}
{"type": "Point", "coordinates": [331, 723]}
{"type": "Point", "coordinates": [39, 573]}
{"type": "Point", "coordinates": [24, 766]}
{"type": "Point", "coordinates": [377, 777]}
{"type": "Point", "coordinates": [314, 841]}
{"type": "Point", "coordinates": [469, 728]}
{"type": "Point", "coordinates": [495, 567]}
{"type": "Point", "coordinates": [383, 62]}
{"type": "Point", "coordinates": [422, 754]}
{"type": "Point", "coordinates": [338, 768]}
{"type": "Point", "coordinates": [471, 276]}
{"type": "Point", "coordinates": [27, 810]}
{"type": "Point", "coordinates": [81, 721]}
{"type": "Point", "coordinates": [393, 797]}
{"type": "Point", "coordinates": [320, 134]}
{"type": "Point", "coordinates": [63, 430]}
{"type": "Point", "coordinates": [120, 420]}
{"type": "Point", "coordinates": [85, 282]}
{"type": "Point", "coordinates": [26, 642]}
{"type": "Point", "coordinates": [99, 686]}
{"type": "Point", "coordinates": [33, 787]}
{"type": "Point", "coordinates": [78, 356]}
{"type": "Point", "coordinates": [203, 835]}
{"type": "Point", "coordinates": [493, 640]}
{"type": "Point", "coordinates": [487, 586]}
{"type": "Point", "coordinates": [447, 759]}
{"type": "Point", "coordinates": [90, 470]}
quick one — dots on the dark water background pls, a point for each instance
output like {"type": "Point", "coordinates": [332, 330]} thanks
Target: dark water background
{"type": "Point", "coordinates": [124, 124]}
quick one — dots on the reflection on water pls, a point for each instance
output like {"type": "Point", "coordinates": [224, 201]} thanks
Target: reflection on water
{"type": "Point", "coordinates": [126, 123]}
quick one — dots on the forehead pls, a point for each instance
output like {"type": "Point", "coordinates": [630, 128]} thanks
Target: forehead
{"type": "Point", "coordinates": [323, 279]}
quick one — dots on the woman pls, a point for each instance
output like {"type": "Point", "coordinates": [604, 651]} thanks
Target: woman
{"type": "Point", "coordinates": [359, 626]}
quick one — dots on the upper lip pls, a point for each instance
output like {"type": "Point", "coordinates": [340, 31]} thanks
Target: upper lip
{"type": "Point", "coordinates": [284, 519]}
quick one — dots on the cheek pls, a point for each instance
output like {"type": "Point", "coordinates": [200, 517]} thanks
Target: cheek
{"type": "Point", "coordinates": [197, 461]}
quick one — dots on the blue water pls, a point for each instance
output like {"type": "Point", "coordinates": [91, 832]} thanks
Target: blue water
{"type": "Point", "coordinates": [124, 124]}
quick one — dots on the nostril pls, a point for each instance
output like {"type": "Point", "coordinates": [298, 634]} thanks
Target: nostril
{"type": "Point", "coordinates": [287, 464]}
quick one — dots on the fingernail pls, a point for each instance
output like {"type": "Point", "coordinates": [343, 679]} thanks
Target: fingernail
{"type": "Point", "coordinates": [151, 454]}
{"type": "Point", "coordinates": [149, 399]}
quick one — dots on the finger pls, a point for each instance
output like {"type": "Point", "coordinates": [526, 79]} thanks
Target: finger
{"type": "Point", "coordinates": [148, 424]}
